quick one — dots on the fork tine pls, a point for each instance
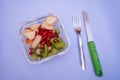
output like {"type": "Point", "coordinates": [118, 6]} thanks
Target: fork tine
{"type": "Point", "coordinates": [76, 21]}
{"type": "Point", "coordinates": [79, 20]}
{"type": "Point", "coordinates": [73, 20]}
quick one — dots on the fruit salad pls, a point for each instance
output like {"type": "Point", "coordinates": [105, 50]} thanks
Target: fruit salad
{"type": "Point", "coordinates": [44, 39]}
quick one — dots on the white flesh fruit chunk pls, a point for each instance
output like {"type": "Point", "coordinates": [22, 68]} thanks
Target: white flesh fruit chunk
{"type": "Point", "coordinates": [36, 41]}
{"type": "Point", "coordinates": [47, 26]}
{"type": "Point", "coordinates": [27, 30]}
{"type": "Point", "coordinates": [34, 27]}
{"type": "Point", "coordinates": [29, 34]}
{"type": "Point", "coordinates": [51, 27]}
{"type": "Point", "coordinates": [51, 20]}
{"type": "Point", "coordinates": [37, 51]}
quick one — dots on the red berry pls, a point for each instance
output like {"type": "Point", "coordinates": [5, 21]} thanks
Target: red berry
{"type": "Point", "coordinates": [40, 33]}
{"type": "Point", "coordinates": [50, 31]}
{"type": "Point", "coordinates": [56, 35]}
{"type": "Point", "coordinates": [41, 46]}
{"type": "Point", "coordinates": [30, 49]}
{"type": "Point", "coordinates": [56, 40]}
{"type": "Point", "coordinates": [48, 44]}
{"type": "Point", "coordinates": [30, 53]}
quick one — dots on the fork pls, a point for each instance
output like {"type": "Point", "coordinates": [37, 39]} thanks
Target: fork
{"type": "Point", "coordinates": [77, 27]}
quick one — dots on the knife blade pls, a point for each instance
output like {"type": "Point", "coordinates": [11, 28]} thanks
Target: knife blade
{"type": "Point", "coordinates": [92, 46]}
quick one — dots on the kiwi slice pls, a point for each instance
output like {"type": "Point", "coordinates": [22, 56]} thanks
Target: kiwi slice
{"type": "Point", "coordinates": [45, 53]}
{"type": "Point", "coordinates": [60, 44]}
{"type": "Point", "coordinates": [34, 56]}
{"type": "Point", "coordinates": [53, 52]}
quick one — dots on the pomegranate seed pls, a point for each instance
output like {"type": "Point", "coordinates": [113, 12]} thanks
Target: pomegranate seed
{"type": "Point", "coordinates": [30, 49]}
{"type": "Point", "coordinates": [56, 35]}
{"type": "Point", "coordinates": [48, 39]}
{"type": "Point", "coordinates": [43, 43]}
{"type": "Point", "coordinates": [48, 44]}
{"type": "Point", "coordinates": [30, 53]}
{"type": "Point", "coordinates": [50, 31]}
{"type": "Point", "coordinates": [55, 40]}
{"type": "Point", "coordinates": [41, 46]}
{"type": "Point", "coordinates": [40, 33]}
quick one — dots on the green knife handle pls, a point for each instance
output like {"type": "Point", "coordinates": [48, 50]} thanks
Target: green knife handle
{"type": "Point", "coordinates": [95, 58]}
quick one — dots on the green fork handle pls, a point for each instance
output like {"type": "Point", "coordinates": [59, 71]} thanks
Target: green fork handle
{"type": "Point", "coordinates": [95, 59]}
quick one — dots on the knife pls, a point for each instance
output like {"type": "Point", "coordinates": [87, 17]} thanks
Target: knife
{"type": "Point", "coordinates": [92, 47]}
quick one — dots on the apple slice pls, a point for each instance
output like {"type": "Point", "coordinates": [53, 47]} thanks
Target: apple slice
{"type": "Point", "coordinates": [36, 41]}
{"type": "Point", "coordinates": [29, 33]}
{"type": "Point", "coordinates": [47, 26]}
{"type": "Point", "coordinates": [27, 30]}
{"type": "Point", "coordinates": [51, 20]}
{"type": "Point", "coordinates": [34, 27]}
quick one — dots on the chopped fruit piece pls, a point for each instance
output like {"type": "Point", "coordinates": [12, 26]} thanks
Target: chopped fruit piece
{"type": "Point", "coordinates": [34, 27]}
{"type": "Point", "coordinates": [28, 41]}
{"type": "Point", "coordinates": [51, 20]}
{"type": "Point", "coordinates": [60, 44]}
{"type": "Point", "coordinates": [45, 51]}
{"type": "Point", "coordinates": [41, 46]}
{"type": "Point", "coordinates": [37, 51]}
{"type": "Point", "coordinates": [36, 41]}
{"type": "Point", "coordinates": [47, 26]}
{"type": "Point", "coordinates": [27, 30]}
{"type": "Point", "coordinates": [49, 48]}
{"type": "Point", "coordinates": [53, 52]}
{"type": "Point", "coordinates": [44, 24]}
{"type": "Point", "coordinates": [30, 53]}
{"type": "Point", "coordinates": [51, 27]}
{"type": "Point", "coordinates": [34, 57]}
{"type": "Point", "coordinates": [29, 33]}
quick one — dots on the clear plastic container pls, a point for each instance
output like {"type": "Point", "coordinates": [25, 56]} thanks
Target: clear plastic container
{"type": "Point", "coordinates": [39, 20]}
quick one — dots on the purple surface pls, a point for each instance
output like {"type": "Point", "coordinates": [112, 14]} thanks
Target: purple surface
{"type": "Point", "coordinates": [104, 20]}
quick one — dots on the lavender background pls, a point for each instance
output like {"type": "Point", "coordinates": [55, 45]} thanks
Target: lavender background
{"type": "Point", "coordinates": [104, 20]}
